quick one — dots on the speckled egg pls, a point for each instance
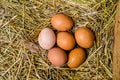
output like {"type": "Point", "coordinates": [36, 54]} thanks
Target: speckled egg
{"type": "Point", "coordinates": [47, 38]}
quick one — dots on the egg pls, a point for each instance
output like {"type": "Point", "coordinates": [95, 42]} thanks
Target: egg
{"type": "Point", "coordinates": [65, 40]}
{"type": "Point", "coordinates": [57, 56]}
{"type": "Point", "coordinates": [76, 57]}
{"type": "Point", "coordinates": [84, 37]}
{"type": "Point", "coordinates": [62, 22]}
{"type": "Point", "coordinates": [47, 38]}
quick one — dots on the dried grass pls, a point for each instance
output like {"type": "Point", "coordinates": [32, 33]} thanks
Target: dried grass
{"type": "Point", "coordinates": [22, 20]}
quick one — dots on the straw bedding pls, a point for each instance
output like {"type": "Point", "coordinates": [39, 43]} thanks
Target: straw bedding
{"type": "Point", "coordinates": [21, 58]}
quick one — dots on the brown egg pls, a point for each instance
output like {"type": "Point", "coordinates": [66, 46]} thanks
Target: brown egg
{"type": "Point", "coordinates": [76, 57]}
{"type": "Point", "coordinates": [61, 22]}
{"type": "Point", "coordinates": [57, 56]}
{"type": "Point", "coordinates": [65, 40]}
{"type": "Point", "coordinates": [84, 37]}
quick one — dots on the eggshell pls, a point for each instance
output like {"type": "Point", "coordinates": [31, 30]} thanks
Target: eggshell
{"type": "Point", "coordinates": [62, 22]}
{"type": "Point", "coordinates": [47, 38]}
{"type": "Point", "coordinates": [84, 37]}
{"type": "Point", "coordinates": [65, 40]}
{"type": "Point", "coordinates": [76, 57]}
{"type": "Point", "coordinates": [57, 56]}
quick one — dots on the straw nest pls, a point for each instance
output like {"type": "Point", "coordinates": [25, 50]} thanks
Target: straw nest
{"type": "Point", "coordinates": [20, 23]}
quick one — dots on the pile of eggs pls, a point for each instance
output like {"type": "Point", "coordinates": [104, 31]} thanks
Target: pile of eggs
{"type": "Point", "coordinates": [65, 41]}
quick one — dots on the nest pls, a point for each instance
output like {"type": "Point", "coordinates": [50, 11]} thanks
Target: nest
{"type": "Point", "coordinates": [21, 21]}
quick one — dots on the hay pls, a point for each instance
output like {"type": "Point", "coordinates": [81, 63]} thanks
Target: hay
{"type": "Point", "coordinates": [22, 20]}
